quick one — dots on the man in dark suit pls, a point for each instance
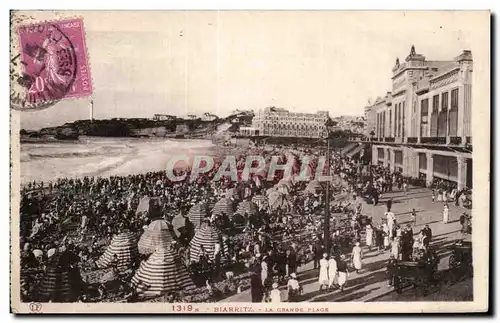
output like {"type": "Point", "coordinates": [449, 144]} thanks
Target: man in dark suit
{"type": "Point", "coordinates": [318, 252]}
{"type": "Point", "coordinates": [256, 288]}
{"type": "Point", "coordinates": [427, 232]}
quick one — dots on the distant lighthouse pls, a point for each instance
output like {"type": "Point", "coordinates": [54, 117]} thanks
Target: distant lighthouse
{"type": "Point", "coordinates": [91, 110]}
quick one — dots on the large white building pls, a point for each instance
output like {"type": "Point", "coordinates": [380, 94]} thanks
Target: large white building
{"type": "Point", "coordinates": [423, 126]}
{"type": "Point", "coordinates": [279, 122]}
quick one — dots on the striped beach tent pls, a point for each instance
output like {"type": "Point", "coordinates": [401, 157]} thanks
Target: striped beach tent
{"type": "Point", "coordinates": [124, 246]}
{"type": "Point", "coordinates": [156, 235]}
{"type": "Point", "coordinates": [61, 283]}
{"type": "Point", "coordinates": [205, 237]}
{"type": "Point", "coordinates": [198, 213]}
{"type": "Point", "coordinates": [224, 205]}
{"type": "Point", "coordinates": [247, 207]}
{"type": "Point", "coordinates": [261, 201]}
{"type": "Point", "coordinates": [162, 273]}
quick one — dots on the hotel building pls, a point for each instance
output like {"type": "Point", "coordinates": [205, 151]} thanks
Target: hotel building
{"type": "Point", "coordinates": [279, 122]}
{"type": "Point", "coordinates": [423, 126]}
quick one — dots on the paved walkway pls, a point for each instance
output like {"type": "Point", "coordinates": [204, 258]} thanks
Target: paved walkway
{"type": "Point", "coordinates": [370, 283]}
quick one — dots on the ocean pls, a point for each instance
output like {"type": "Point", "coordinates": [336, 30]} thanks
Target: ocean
{"type": "Point", "coordinates": [98, 156]}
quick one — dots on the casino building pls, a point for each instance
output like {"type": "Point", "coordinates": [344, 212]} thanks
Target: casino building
{"type": "Point", "coordinates": [279, 122]}
{"type": "Point", "coordinates": [423, 126]}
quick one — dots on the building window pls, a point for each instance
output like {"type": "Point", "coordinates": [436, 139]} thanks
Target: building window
{"type": "Point", "coordinates": [435, 103]}
{"type": "Point", "coordinates": [434, 116]}
{"type": "Point", "coordinates": [399, 120]}
{"type": "Point", "coordinates": [444, 101]}
{"type": "Point", "coordinates": [395, 120]}
{"type": "Point", "coordinates": [443, 116]}
{"type": "Point", "coordinates": [383, 122]}
{"type": "Point", "coordinates": [403, 121]}
{"type": "Point", "coordinates": [454, 99]}
{"type": "Point", "coordinates": [453, 114]}
{"type": "Point", "coordinates": [424, 110]}
{"type": "Point", "coordinates": [390, 121]}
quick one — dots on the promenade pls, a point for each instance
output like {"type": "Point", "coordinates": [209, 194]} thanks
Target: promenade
{"type": "Point", "coordinates": [371, 282]}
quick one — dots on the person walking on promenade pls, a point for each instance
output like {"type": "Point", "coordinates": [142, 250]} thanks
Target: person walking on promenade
{"type": "Point", "coordinates": [342, 270]}
{"type": "Point", "coordinates": [446, 212]}
{"type": "Point", "coordinates": [357, 255]}
{"type": "Point", "coordinates": [390, 221]}
{"type": "Point", "coordinates": [407, 243]}
{"type": "Point", "coordinates": [395, 250]}
{"type": "Point", "coordinates": [332, 272]}
{"type": "Point", "coordinates": [264, 272]}
{"type": "Point", "coordinates": [465, 223]}
{"type": "Point", "coordinates": [427, 232]}
{"type": "Point", "coordinates": [391, 270]}
{"type": "Point", "coordinates": [291, 261]}
{"type": "Point", "coordinates": [275, 294]}
{"type": "Point", "coordinates": [414, 216]}
{"type": "Point", "coordinates": [440, 195]}
{"type": "Point", "coordinates": [318, 251]}
{"type": "Point", "coordinates": [256, 287]}
{"type": "Point", "coordinates": [369, 236]}
{"type": "Point", "coordinates": [323, 272]}
{"type": "Point", "coordinates": [294, 288]}
{"type": "Point", "coordinates": [385, 233]}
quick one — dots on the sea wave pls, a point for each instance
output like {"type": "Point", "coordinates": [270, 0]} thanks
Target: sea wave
{"type": "Point", "coordinates": [103, 157]}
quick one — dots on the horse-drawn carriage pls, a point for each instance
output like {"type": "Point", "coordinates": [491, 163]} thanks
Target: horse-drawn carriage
{"type": "Point", "coordinates": [419, 274]}
{"type": "Point", "coordinates": [461, 257]}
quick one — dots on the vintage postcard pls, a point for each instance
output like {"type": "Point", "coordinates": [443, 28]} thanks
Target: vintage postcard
{"type": "Point", "coordinates": [250, 161]}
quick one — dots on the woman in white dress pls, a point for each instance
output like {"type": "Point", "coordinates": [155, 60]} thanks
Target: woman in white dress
{"type": "Point", "coordinates": [275, 295]}
{"type": "Point", "coordinates": [440, 195]}
{"type": "Point", "coordinates": [323, 272]}
{"type": "Point", "coordinates": [263, 272]}
{"type": "Point", "coordinates": [419, 243]}
{"type": "Point", "coordinates": [395, 248]}
{"type": "Point", "coordinates": [357, 255]}
{"type": "Point", "coordinates": [332, 272]}
{"type": "Point", "coordinates": [369, 236]}
{"type": "Point", "coordinates": [385, 229]}
{"type": "Point", "coordinates": [446, 214]}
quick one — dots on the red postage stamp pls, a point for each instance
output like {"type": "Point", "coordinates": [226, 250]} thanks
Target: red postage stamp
{"type": "Point", "coordinates": [54, 62]}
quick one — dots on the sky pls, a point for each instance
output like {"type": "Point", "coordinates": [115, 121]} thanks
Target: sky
{"type": "Point", "coordinates": [180, 62]}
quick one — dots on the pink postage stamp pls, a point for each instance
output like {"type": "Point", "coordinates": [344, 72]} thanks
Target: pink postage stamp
{"type": "Point", "coordinates": [54, 63]}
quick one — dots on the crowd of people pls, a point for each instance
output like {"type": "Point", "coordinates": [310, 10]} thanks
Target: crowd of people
{"type": "Point", "coordinates": [269, 242]}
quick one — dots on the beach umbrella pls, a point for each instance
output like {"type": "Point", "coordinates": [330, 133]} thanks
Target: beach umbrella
{"type": "Point", "coordinates": [282, 188]}
{"type": "Point", "coordinates": [124, 246]}
{"type": "Point", "coordinates": [271, 190]}
{"type": "Point", "coordinates": [224, 205]}
{"type": "Point", "coordinates": [149, 205]}
{"type": "Point", "coordinates": [247, 207]}
{"type": "Point", "coordinates": [162, 273]}
{"type": "Point", "coordinates": [261, 201]}
{"type": "Point", "coordinates": [198, 213]}
{"type": "Point", "coordinates": [179, 222]}
{"type": "Point", "coordinates": [206, 236]}
{"type": "Point", "coordinates": [61, 284]}
{"type": "Point", "coordinates": [156, 235]}
{"type": "Point", "coordinates": [278, 200]}
{"type": "Point", "coordinates": [313, 186]}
